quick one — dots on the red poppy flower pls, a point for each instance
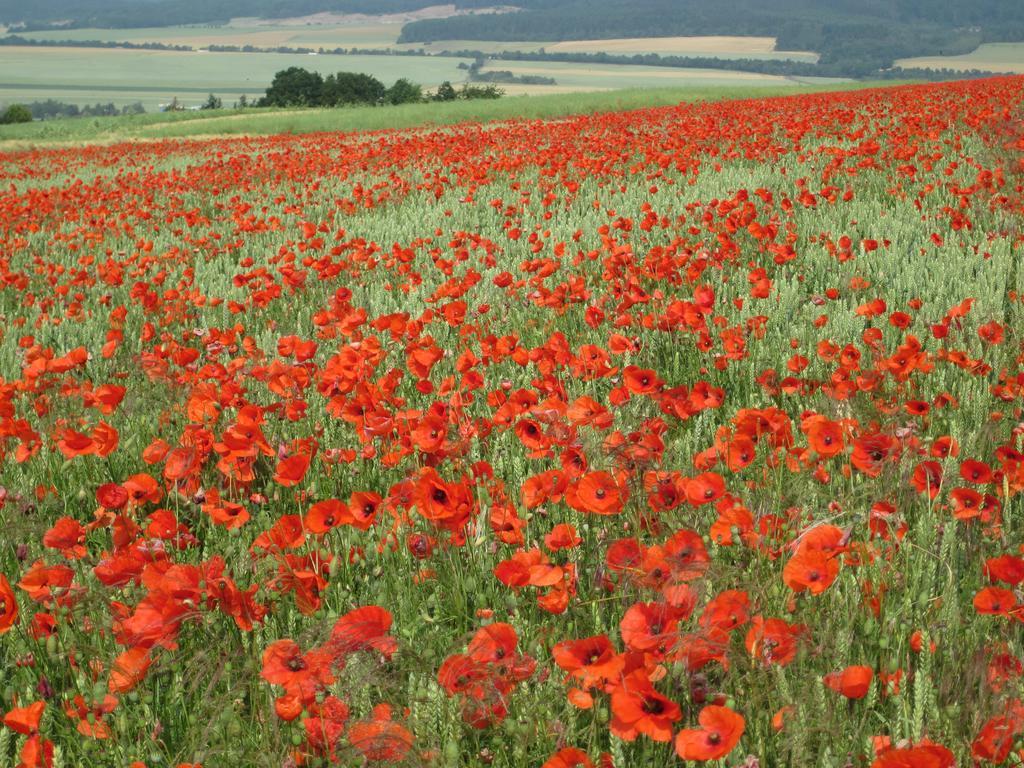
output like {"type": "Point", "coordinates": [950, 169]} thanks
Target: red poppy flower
{"type": "Point", "coordinates": [25, 720]}
{"type": "Point", "coordinates": [870, 453]}
{"type": "Point", "coordinates": [325, 515]}
{"type": "Point", "coordinates": [1006, 568]}
{"type": "Point", "coordinates": [381, 739]}
{"type": "Point", "coordinates": [568, 757]}
{"type": "Point", "coordinates": [597, 493]}
{"type": "Point", "coordinates": [637, 708]}
{"type": "Point", "coordinates": [301, 674]}
{"type": "Point", "coordinates": [364, 628]}
{"type": "Point", "coordinates": [111, 496]}
{"type": "Point", "coordinates": [996, 738]}
{"type": "Point", "coordinates": [650, 627]}
{"type": "Point", "coordinates": [852, 682]}
{"type": "Point", "coordinates": [773, 640]}
{"type": "Point", "coordinates": [8, 606]}
{"type": "Point", "coordinates": [362, 507]}
{"type": "Point", "coordinates": [705, 488]}
{"type": "Point", "coordinates": [824, 436]}
{"type": "Point", "coordinates": [727, 610]}
{"type": "Point", "coordinates": [640, 381]}
{"type": "Point", "coordinates": [920, 756]}
{"type": "Point", "coordinates": [720, 732]}
{"type": "Point", "coordinates": [562, 536]}
{"type": "Point", "coordinates": [996, 601]}
{"type": "Point", "coordinates": [590, 660]}
{"type": "Point", "coordinates": [810, 569]}
{"type": "Point", "coordinates": [967, 503]}
{"type": "Point", "coordinates": [129, 669]}
{"type": "Point", "coordinates": [68, 536]}
{"type": "Point", "coordinates": [977, 472]}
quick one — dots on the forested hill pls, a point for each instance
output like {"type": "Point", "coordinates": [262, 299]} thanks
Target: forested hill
{"type": "Point", "coordinates": [868, 34]}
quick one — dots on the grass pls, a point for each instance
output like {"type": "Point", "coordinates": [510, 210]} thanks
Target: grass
{"type": "Point", "coordinates": [989, 57]}
{"type": "Point", "coordinates": [256, 122]}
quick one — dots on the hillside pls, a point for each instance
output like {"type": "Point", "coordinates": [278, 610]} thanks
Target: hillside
{"type": "Point", "coordinates": [850, 34]}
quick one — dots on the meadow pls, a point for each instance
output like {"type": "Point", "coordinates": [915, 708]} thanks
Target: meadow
{"type": "Point", "coordinates": [269, 121]}
{"type": "Point", "coordinates": [123, 76]}
{"type": "Point", "coordinates": [652, 437]}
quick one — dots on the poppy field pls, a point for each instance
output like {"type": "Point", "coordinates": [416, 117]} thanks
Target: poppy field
{"type": "Point", "coordinates": [683, 435]}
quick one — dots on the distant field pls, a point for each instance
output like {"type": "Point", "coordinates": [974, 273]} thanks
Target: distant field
{"type": "Point", "coordinates": [717, 46]}
{"type": "Point", "coordinates": [609, 76]}
{"type": "Point", "coordinates": [356, 35]}
{"type": "Point", "coordinates": [84, 75]}
{"type": "Point", "coordinates": [379, 34]}
{"type": "Point", "coordinates": [255, 122]}
{"type": "Point", "coordinates": [992, 57]}
{"type": "Point", "coordinates": [123, 76]}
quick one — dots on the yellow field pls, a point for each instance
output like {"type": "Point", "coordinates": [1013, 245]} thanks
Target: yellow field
{"type": "Point", "coordinates": [992, 57]}
{"type": "Point", "coordinates": [668, 45]}
{"type": "Point", "coordinates": [710, 45]}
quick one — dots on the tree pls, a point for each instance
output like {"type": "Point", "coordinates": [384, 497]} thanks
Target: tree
{"type": "Point", "coordinates": [243, 101]}
{"type": "Point", "coordinates": [480, 92]}
{"type": "Point", "coordinates": [351, 88]}
{"type": "Point", "coordinates": [212, 102]}
{"type": "Point", "coordinates": [294, 87]}
{"type": "Point", "coordinates": [404, 92]}
{"type": "Point", "coordinates": [16, 113]}
{"type": "Point", "coordinates": [445, 92]}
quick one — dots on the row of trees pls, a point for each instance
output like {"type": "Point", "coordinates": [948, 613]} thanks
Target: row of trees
{"type": "Point", "coordinates": [298, 87]}
{"type": "Point", "coordinates": [501, 75]}
{"type": "Point", "coordinates": [51, 108]}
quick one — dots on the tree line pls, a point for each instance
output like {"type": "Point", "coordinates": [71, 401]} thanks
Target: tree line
{"type": "Point", "coordinates": [298, 87]}
{"type": "Point", "coordinates": [51, 108]}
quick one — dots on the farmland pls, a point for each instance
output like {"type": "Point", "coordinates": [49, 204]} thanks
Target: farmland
{"type": "Point", "coordinates": [87, 75]}
{"type": "Point", "coordinates": [371, 33]}
{"type": "Point", "coordinates": [990, 57]}
{"type": "Point", "coordinates": [665, 436]}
